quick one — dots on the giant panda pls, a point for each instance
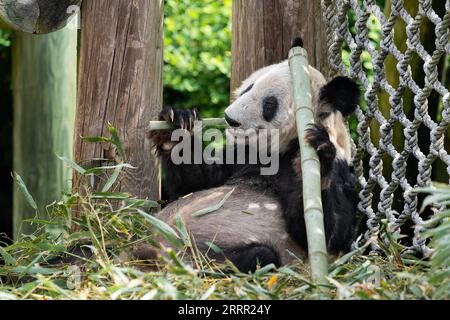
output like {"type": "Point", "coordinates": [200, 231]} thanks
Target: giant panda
{"type": "Point", "coordinates": [262, 220]}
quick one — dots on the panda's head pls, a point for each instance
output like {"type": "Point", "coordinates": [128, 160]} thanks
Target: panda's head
{"type": "Point", "coordinates": [265, 101]}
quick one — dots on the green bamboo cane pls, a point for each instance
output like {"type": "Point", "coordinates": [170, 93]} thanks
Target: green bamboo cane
{"type": "Point", "coordinates": [312, 202]}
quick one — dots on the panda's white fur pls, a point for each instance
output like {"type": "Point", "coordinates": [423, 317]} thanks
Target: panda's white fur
{"type": "Point", "coordinates": [255, 224]}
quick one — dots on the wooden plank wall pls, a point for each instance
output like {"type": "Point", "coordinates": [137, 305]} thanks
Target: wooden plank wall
{"type": "Point", "coordinates": [263, 31]}
{"type": "Point", "coordinates": [120, 81]}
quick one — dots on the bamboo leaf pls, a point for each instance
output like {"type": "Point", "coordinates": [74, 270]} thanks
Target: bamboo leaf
{"type": "Point", "coordinates": [163, 228]}
{"type": "Point", "coordinates": [72, 165]}
{"type": "Point", "coordinates": [116, 140]}
{"type": "Point", "coordinates": [112, 179]}
{"type": "Point", "coordinates": [23, 188]}
{"type": "Point", "coordinates": [138, 203]}
{"type": "Point", "coordinates": [208, 292]}
{"type": "Point", "coordinates": [110, 195]}
{"type": "Point", "coordinates": [213, 247]}
{"type": "Point", "coordinates": [24, 270]}
{"type": "Point", "coordinates": [98, 170]}
{"type": "Point", "coordinates": [182, 229]}
{"type": "Point", "coordinates": [96, 139]}
{"type": "Point", "coordinates": [213, 208]}
{"type": "Point", "coordinates": [9, 259]}
{"type": "Point", "coordinates": [265, 269]}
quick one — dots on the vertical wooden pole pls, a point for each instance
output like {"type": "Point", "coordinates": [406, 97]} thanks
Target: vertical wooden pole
{"type": "Point", "coordinates": [263, 31]}
{"type": "Point", "coordinates": [44, 91]}
{"type": "Point", "coordinates": [120, 81]}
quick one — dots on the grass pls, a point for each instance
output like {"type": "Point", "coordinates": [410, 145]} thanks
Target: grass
{"type": "Point", "coordinates": [110, 223]}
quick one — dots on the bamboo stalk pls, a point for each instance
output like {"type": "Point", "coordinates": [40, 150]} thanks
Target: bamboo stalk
{"type": "Point", "coordinates": [312, 202]}
{"type": "Point", "coordinates": [209, 122]}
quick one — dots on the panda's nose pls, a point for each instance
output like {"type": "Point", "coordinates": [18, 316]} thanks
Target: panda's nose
{"type": "Point", "coordinates": [231, 122]}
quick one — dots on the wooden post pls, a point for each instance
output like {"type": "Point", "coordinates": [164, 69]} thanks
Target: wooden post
{"type": "Point", "coordinates": [44, 90]}
{"type": "Point", "coordinates": [120, 81]}
{"type": "Point", "coordinates": [263, 31]}
{"type": "Point", "coordinates": [36, 16]}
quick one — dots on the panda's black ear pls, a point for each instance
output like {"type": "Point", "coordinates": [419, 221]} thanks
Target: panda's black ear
{"type": "Point", "coordinates": [298, 42]}
{"type": "Point", "coordinates": [342, 94]}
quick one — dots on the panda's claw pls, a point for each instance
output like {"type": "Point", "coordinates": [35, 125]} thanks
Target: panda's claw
{"type": "Point", "coordinates": [317, 137]}
{"type": "Point", "coordinates": [179, 118]}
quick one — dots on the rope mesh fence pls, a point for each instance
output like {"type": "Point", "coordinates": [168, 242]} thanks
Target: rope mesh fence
{"type": "Point", "coordinates": [382, 162]}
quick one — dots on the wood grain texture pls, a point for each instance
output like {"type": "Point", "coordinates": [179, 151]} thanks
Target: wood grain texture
{"type": "Point", "coordinates": [36, 16]}
{"type": "Point", "coordinates": [44, 89]}
{"type": "Point", "coordinates": [120, 81]}
{"type": "Point", "coordinates": [263, 31]}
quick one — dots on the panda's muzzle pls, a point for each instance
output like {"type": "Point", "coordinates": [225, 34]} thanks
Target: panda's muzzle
{"type": "Point", "coordinates": [231, 122]}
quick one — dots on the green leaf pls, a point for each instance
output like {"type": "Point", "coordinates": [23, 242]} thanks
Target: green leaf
{"type": "Point", "coordinates": [139, 203]}
{"type": "Point", "coordinates": [110, 195]}
{"type": "Point", "coordinates": [213, 208]}
{"type": "Point", "coordinates": [116, 140]}
{"type": "Point", "coordinates": [97, 139]}
{"type": "Point", "coordinates": [23, 188]}
{"type": "Point", "coordinates": [213, 247]}
{"type": "Point", "coordinates": [73, 165]}
{"type": "Point", "coordinates": [112, 179]}
{"type": "Point", "coordinates": [98, 170]}
{"type": "Point", "coordinates": [265, 269]}
{"type": "Point", "coordinates": [163, 228]}
{"type": "Point", "coordinates": [208, 292]}
{"type": "Point", "coordinates": [182, 229]}
{"type": "Point", "coordinates": [22, 270]}
{"type": "Point", "coordinates": [9, 260]}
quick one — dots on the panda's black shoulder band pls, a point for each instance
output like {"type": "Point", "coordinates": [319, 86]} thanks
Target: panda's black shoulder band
{"type": "Point", "coordinates": [342, 94]}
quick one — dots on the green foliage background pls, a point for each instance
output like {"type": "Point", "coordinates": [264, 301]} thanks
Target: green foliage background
{"type": "Point", "coordinates": [197, 55]}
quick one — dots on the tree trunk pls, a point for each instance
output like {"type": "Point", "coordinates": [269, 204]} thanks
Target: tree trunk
{"type": "Point", "coordinates": [36, 16]}
{"type": "Point", "coordinates": [44, 86]}
{"type": "Point", "coordinates": [263, 31]}
{"type": "Point", "coordinates": [120, 81]}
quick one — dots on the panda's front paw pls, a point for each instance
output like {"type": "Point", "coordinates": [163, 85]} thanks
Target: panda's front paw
{"type": "Point", "coordinates": [317, 136]}
{"type": "Point", "coordinates": [180, 119]}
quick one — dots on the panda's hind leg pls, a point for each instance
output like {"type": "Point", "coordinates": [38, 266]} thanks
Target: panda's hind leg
{"type": "Point", "coordinates": [248, 258]}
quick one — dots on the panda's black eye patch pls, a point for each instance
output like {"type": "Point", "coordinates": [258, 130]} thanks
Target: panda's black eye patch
{"type": "Point", "coordinates": [270, 107]}
{"type": "Point", "coordinates": [248, 89]}
{"type": "Point", "coordinates": [323, 115]}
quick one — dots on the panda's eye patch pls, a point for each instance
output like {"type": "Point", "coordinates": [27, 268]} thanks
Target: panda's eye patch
{"type": "Point", "coordinates": [270, 107]}
{"type": "Point", "coordinates": [323, 115]}
{"type": "Point", "coordinates": [248, 89]}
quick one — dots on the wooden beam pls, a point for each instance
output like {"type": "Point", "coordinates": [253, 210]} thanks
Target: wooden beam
{"type": "Point", "coordinates": [44, 91]}
{"type": "Point", "coordinates": [263, 31]}
{"type": "Point", "coordinates": [120, 81]}
{"type": "Point", "coordinates": [36, 16]}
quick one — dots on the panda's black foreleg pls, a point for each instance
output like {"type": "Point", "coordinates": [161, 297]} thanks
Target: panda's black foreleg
{"type": "Point", "coordinates": [340, 201]}
{"type": "Point", "coordinates": [317, 136]}
{"type": "Point", "coordinates": [338, 196]}
{"type": "Point", "coordinates": [185, 178]}
{"type": "Point", "coordinates": [247, 258]}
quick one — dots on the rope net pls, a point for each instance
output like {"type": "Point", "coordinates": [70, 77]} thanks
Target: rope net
{"type": "Point", "coordinates": [398, 53]}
